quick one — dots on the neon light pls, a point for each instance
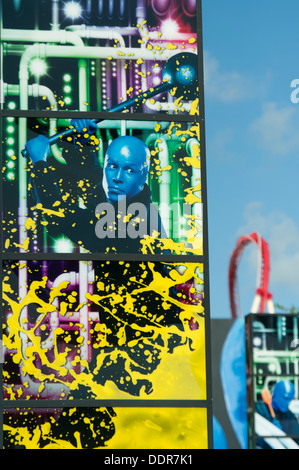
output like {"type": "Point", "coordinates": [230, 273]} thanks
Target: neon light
{"type": "Point", "coordinates": [73, 10]}
{"type": "Point", "coordinates": [156, 81]}
{"type": "Point", "coordinates": [67, 77]}
{"type": "Point", "coordinates": [11, 105]}
{"type": "Point", "coordinates": [10, 176]}
{"type": "Point", "coordinates": [63, 245]}
{"type": "Point", "coordinates": [169, 28]}
{"type": "Point", "coordinates": [38, 67]}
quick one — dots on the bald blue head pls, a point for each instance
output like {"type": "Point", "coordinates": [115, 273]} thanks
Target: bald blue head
{"type": "Point", "coordinates": [126, 168]}
{"type": "Point", "coordinates": [283, 394]}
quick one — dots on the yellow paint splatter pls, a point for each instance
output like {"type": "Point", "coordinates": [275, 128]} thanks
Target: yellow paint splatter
{"type": "Point", "coordinates": [46, 211]}
{"type": "Point", "coordinates": [172, 46]}
{"type": "Point", "coordinates": [191, 197]}
{"type": "Point", "coordinates": [30, 224]}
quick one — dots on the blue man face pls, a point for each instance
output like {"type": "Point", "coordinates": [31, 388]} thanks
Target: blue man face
{"type": "Point", "coordinates": [126, 168]}
{"type": "Point", "coordinates": [283, 394]}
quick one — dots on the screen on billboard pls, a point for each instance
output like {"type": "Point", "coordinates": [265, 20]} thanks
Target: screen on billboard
{"type": "Point", "coordinates": [103, 330]}
{"type": "Point", "coordinates": [101, 56]}
{"type": "Point", "coordinates": [119, 428]}
{"type": "Point", "coordinates": [272, 365]}
{"type": "Point", "coordinates": [126, 187]}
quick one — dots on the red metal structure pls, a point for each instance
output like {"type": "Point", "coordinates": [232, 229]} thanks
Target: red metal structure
{"type": "Point", "coordinates": [262, 298]}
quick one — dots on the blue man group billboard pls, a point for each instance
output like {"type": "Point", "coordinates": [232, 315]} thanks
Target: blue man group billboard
{"type": "Point", "coordinates": [104, 260]}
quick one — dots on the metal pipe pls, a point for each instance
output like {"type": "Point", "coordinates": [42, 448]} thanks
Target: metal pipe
{"type": "Point", "coordinates": [159, 141]}
{"type": "Point", "coordinates": [73, 279]}
{"type": "Point", "coordinates": [50, 390]}
{"type": "Point", "coordinates": [165, 185]}
{"type": "Point", "coordinates": [94, 32]}
{"type": "Point", "coordinates": [144, 34]}
{"type": "Point", "coordinates": [55, 15]}
{"type": "Point", "coordinates": [110, 9]}
{"type": "Point", "coordinates": [100, 8]}
{"type": "Point", "coordinates": [122, 30]}
{"type": "Point", "coordinates": [122, 9]}
{"type": "Point", "coordinates": [88, 8]}
{"type": "Point", "coordinates": [46, 50]}
{"type": "Point", "coordinates": [193, 147]}
{"type": "Point", "coordinates": [85, 351]}
{"type": "Point", "coordinates": [159, 106]}
{"type": "Point", "coordinates": [83, 85]}
{"type": "Point", "coordinates": [24, 36]}
{"type": "Point", "coordinates": [36, 90]}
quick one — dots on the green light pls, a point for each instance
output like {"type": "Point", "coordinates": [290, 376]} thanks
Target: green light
{"type": "Point", "coordinates": [272, 367]}
{"type": "Point", "coordinates": [67, 77]}
{"type": "Point", "coordinates": [10, 176]}
{"type": "Point", "coordinates": [11, 105]}
{"type": "Point", "coordinates": [67, 100]}
{"type": "Point", "coordinates": [10, 129]}
{"type": "Point", "coordinates": [10, 153]}
{"type": "Point", "coordinates": [10, 141]}
{"type": "Point", "coordinates": [63, 245]}
{"type": "Point", "coordinates": [10, 119]}
{"type": "Point", "coordinates": [67, 89]}
{"type": "Point", "coordinates": [10, 165]}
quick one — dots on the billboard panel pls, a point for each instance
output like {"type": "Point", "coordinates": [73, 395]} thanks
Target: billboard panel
{"type": "Point", "coordinates": [104, 253]}
{"type": "Point", "coordinates": [100, 56]}
{"type": "Point", "coordinates": [103, 330]}
{"type": "Point", "coordinates": [272, 365]}
{"type": "Point", "coordinates": [126, 187]}
{"type": "Point", "coordinates": [117, 428]}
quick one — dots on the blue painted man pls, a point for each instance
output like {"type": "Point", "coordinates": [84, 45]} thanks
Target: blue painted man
{"type": "Point", "coordinates": [100, 226]}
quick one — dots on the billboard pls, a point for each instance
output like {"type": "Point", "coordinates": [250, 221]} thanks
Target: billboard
{"type": "Point", "coordinates": [85, 197]}
{"type": "Point", "coordinates": [272, 381]}
{"type": "Point", "coordinates": [104, 259]}
{"type": "Point", "coordinates": [98, 55]}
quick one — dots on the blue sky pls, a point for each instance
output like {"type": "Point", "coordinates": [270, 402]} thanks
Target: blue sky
{"type": "Point", "coordinates": [251, 56]}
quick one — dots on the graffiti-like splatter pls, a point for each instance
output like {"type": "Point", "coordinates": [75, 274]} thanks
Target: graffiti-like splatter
{"type": "Point", "coordinates": [145, 335]}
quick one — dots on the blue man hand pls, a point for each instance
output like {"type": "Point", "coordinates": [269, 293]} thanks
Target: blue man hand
{"type": "Point", "coordinates": [84, 129]}
{"type": "Point", "coordinates": [38, 148]}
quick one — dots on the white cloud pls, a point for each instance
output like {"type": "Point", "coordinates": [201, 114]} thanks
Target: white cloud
{"type": "Point", "coordinates": [276, 129]}
{"type": "Point", "coordinates": [227, 87]}
{"type": "Point", "coordinates": [281, 232]}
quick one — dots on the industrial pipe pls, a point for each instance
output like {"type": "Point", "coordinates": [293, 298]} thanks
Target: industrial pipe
{"type": "Point", "coordinates": [25, 36]}
{"type": "Point", "coordinates": [176, 76]}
